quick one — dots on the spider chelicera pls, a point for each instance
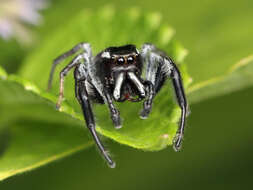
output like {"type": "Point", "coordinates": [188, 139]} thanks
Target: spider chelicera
{"type": "Point", "coordinates": [115, 74]}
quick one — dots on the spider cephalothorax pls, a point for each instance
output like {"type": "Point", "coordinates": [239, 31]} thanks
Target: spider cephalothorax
{"type": "Point", "coordinates": [123, 73]}
{"type": "Point", "coordinates": [120, 74]}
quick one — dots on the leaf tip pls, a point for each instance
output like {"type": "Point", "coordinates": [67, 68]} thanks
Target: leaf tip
{"type": "Point", "coordinates": [166, 34]}
{"type": "Point", "coordinates": [181, 53]}
{"type": "Point", "coordinates": [154, 19]}
{"type": "Point", "coordinates": [3, 74]}
{"type": "Point", "coordinates": [32, 87]}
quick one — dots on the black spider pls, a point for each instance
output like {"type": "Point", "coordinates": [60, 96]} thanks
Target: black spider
{"type": "Point", "coordinates": [115, 74]}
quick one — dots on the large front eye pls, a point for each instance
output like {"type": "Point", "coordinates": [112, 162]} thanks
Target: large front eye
{"type": "Point", "coordinates": [120, 60]}
{"type": "Point", "coordinates": [130, 59]}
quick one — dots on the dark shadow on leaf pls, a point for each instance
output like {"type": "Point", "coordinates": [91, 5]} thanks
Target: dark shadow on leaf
{"type": "Point", "coordinates": [5, 137]}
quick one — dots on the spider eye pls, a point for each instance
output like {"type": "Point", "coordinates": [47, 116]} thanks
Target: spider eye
{"type": "Point", "coordinates": [130, 59]}
{"type": "Point", "coordinates": [120, 61]}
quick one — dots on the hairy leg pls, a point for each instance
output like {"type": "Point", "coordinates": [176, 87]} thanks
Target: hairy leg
{"type": "Point", "coordinates": [90, 121]}
{"type": "Point", "coordinates": [63, 73]}
{"type": "Point", "coordinates": [115, 115]}
{"type": "Point", "coordinates": [159, 67]}
{"type": "Point", "coordinates": [85, 46]}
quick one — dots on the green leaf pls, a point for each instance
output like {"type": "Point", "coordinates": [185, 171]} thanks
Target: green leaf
{"type": "Point", "coordinates": [3, 74]}
{"type": "Point", "coordinates": [32, 132]}
{"type": "Point", "coordinates": [33, 144]}
{"type": "Point", "coordinates": [40, 134]}
{"type": "Point", "coordinates": [238, 77]}
{"type": "Point", "coordinates": [109, 28]}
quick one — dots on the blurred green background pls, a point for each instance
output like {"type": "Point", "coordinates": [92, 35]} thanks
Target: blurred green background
{"type": "Point", "coordinates": [217, 148]}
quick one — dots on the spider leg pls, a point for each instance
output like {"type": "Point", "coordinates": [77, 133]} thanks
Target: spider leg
{"type": "Point", "coordinates": [96, 73]}
{"type": "Point", "coordinates": [90, 122]}
{"type": "Point", "coordinates": [153, 78]}
{"type": "Point", "coordinates": [115, 115]}
{"type": "Point", "coordinates": [76, 92]}
{"type": "Point", "coordinates": [59, 59]}
{"type": "Point", "coordinates": [159, 67]}
{"type": "Point", "coordinates": [178, 87]}
{"type": "Point", "coordinates": [63, 73]}
{"type": "Point", "coordinates": [155, 75]}
{"type": "Point", "coordinates": [147, 104]}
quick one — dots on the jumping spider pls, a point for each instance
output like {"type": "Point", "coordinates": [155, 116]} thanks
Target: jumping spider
{"type": "Point", "coordinates": [115, 74]}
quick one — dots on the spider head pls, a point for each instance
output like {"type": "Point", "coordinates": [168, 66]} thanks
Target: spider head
{"type": "Point", "coordinates": [124, 70]}
{"type": "Point", "coordinates": [123, 59]}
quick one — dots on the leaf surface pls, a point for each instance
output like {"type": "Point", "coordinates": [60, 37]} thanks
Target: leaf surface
{"type": "Point", "coordinates": [131, 27]}
{"type": "Point", "coordinates": [36, 133]}
{"type": "Point", "coordinates": [32, 132]}
{"type": "Point", "coordinates": [238, 77]}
